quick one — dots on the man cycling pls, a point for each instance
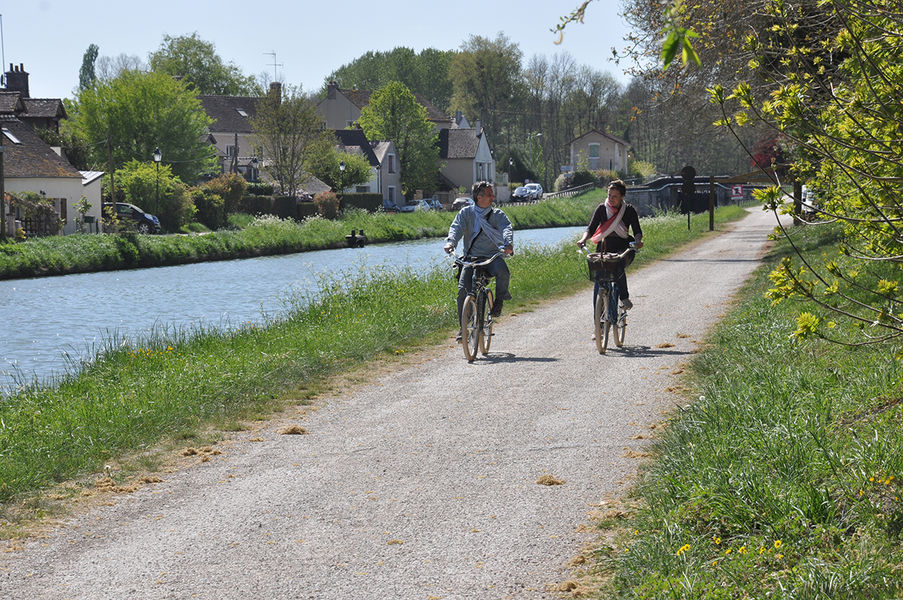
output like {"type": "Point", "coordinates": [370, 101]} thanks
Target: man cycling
{"type": "Point", "coordinates": [485, 231]}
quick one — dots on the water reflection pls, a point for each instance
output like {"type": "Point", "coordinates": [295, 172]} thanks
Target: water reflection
{"type": "Point", "coordinates": [55, 322]}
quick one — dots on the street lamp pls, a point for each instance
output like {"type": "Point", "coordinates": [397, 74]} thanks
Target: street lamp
{"type": "Point", "coordinates": [158, 156]}
{"type": "Point", "coordinates": [341, 175]}
{"type": "Point", "coordinates": [254, 164]}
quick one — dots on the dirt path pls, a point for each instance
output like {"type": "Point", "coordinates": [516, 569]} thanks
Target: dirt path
{"type": "Point", "coordinates": [414, 486]}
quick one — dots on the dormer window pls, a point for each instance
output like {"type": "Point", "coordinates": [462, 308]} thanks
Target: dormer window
{"type": "Point", "coordinates": [242, 112]}
{"type": "Point", "coordinates": [9, 135]}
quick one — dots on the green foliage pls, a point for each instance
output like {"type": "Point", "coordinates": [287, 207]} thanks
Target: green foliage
{"type": "Point", "coordinates": [176, 208]}
{"type": "Point", "coordinates": [76, 149]}
{"type": "Point", "coordinates": [138, 112]}
{"type": "Point", "coordinates": [197, 63]}
{"type": "Point", "coordinates": [643, 169]}
{"type": "Point", "coordinates": [260, 189]}
{"type": "Point", "coordinates": [86, 74]}
{"type": "Point", "coordinates": [293, 137]}
{"type": "Point", "coordinates": [230, 187]}
{"type": "Point", "coordinates": [425, 73]}
{"type": "Point", "coordinates": [394, 114]}
{"type": "Point", "coordinates": [144, 187]}
{"type": "Point", "coordinates": [327, 168]}
{"type": "Point", "coordinates": [210, 207]}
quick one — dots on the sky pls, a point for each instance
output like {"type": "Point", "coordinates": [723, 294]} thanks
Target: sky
{"type": "Point", "coordinates": [310, 38]}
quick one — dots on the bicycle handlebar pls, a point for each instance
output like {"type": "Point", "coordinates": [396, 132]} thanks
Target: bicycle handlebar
{"type": "Point", "coordinates": [460, 260]}
{"type": "Point", "coordinates": [630, 246]}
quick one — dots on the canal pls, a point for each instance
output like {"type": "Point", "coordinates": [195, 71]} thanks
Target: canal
{"type": "Point", "coordinates": [55, 323]}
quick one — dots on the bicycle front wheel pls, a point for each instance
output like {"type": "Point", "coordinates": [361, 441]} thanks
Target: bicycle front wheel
{"type": "Point", "coordinates": [470, 328]}
{"type": "Point", "coordinates": [600, 321]}
{"type": "Point", "coordinates": [621, 328]}
{"type": "Point", "coordinates": [486, 319]}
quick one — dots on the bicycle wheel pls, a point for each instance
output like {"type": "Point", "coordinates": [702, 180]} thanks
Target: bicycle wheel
{"type": "Point", "coordinates": [600, 321]}
{"type": "Point", "coordinates": [614, 318]}
{"type": "Point", "coordinates": [621, 328]}
{"type": "Point", "coordinates": [486, 318]}
{"type": "Point", "coordinates": [470, 328]}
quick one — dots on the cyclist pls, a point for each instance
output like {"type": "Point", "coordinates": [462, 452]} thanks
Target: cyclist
{"type": "Point", "coordinates": [608, 229]}
{"type": "Point", "coordinates": [485, 231]}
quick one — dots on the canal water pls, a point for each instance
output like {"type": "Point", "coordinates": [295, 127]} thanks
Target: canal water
{"type": "Point", "coordinates": [55, 323]}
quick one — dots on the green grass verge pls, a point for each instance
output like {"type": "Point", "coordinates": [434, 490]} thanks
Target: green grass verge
{"type": "Point", "coordinates": [78, 253]}
{"type": "Point", "coordinates": [132, 398]}
{"type": "Point", "coordinates": [782, 478]}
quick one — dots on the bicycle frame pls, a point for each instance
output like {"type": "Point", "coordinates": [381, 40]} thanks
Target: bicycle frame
{"type": "Point", "coordinates": [476, 320]}
{"type": "Point", "coordinates": [608, 316]}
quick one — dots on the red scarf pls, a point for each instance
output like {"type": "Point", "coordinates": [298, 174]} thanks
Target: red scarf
{"type": "Point", "coordinates": [609, 225]}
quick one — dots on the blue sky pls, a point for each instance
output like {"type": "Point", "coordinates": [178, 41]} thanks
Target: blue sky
{"type": "Point", "coordinates": [311, 38]}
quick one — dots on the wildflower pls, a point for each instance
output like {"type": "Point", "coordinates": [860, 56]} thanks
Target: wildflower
{"type": "Point", "coordinates": [778, 543]}
{"type": "Point", "coordinates": [716, 539]}
{"type": "Point", "coordinates": [861, 493]}
{"type": "Point", "coordinates": [714, 563]}
{"type": "Point", "coordinates": [683, 549]}
{"type": "Point", "coordinates": [728, 551]}
{"type": "Point", "coordinates": [761, 549]}
{"type": "Point", "coordinates": [636, 532]}
{"type": "Point", "coordinates": [742, 550]}
{"type": "Point", "coordinates": [779, 556]}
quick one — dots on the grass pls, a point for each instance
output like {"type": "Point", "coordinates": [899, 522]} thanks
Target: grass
{"type": "Point", "coordinates": [134, 397]}
{"type": "Point", "coordinates": [782, 478]}
{"type": "Point", "coordinates": [78, 253]}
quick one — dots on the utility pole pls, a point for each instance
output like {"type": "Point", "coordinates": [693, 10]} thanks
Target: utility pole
{"type": "Point", "coordinates": [2, 194]}
{"type": "Point", "coordinates": [112, 183]}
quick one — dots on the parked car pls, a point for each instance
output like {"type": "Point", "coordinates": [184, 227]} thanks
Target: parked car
{"type": "Point", "coordinates": [406, 208]}
{"type": "Point", "coordinates": [534, 191]}
{"type": "Point", "coordinates": [429, 204]}
{"type": "Point", "coordinates": [390, 206]}
{"type": "Point", "coordinates": [129, 214]}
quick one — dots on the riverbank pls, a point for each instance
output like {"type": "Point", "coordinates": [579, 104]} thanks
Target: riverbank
{"type": "Point", "coordinates": [83, 253]}
{"type": "Point", "coordinates": [175, 388]}
{"type": "Point", "coordinates": [781, 477]}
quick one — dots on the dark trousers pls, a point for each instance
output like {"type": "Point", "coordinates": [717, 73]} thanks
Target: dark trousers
{"type": "Point", "coordinates": [497, 269]}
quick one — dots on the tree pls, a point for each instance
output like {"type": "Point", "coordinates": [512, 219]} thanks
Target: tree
{"type": "Point", "coordinates": [394, 114]}
{"type": "Point", "coordinates": [292, 136]}
{"type": "Point", "coordinates": [328, 169]}
{"type": "Point", "coordinates": [426, 74]}
{"type": "Point", "coordinates": [86, 74]}
{"type": "Point", "coordinates": [487, 80]}
{"type": "Point", "coordinates": [133, 114]}
{"type": "Point", "coordinates": [197, 62]}
{"type": "Point", "coordinates": [109, 68]}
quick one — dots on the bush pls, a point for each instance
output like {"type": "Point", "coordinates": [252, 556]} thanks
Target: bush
{"type": "Point", "coordinates": [230, 187]}
{"type": "Point", "coordinates": [285, 207]}
{"type": "Point", "coordinates": [148, 187]}
{"type": "Point", "coordinates": [368, 202]}
{"type": "Point", "coordinates": [582, 178]}
{"type": "Point", "coordinates": [257, 205]}
{"type": "Point", "coordinates": [306, 210]}
{"type": "Point", "coordinates": [327, 204]}
{"type": "Point", "coordinates": [210, 207]}
{"type": "Point", "coordinates": [561, 182]}
{"type": "Point", "coordinates": [260, 189]}
{"type": "Point", "coordinates": [176, 208]}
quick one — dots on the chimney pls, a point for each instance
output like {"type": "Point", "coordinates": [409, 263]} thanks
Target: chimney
{"type": "Point", "coordinates": [17, 80]}
{"type": "Point", "coordinates": [331, 89]}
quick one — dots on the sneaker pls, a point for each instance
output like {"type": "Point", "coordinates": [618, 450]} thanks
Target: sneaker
{"type": "Point", "coordinates": [458, 338]}
{"type": "Point", "coordinates": [626, 304]}
{"type": "Point", "coordinates": [496, 308]}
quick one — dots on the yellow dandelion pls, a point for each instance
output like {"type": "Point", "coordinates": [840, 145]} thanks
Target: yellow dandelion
{"type": "Point", "coordinates": [778, 543]}
{"type": "Point", "coordinates": [683, 549]}
{"type": "Point", "coordinates": [861, 493]}
{"type": "Point", "coordinates": [636, 532]}
{"type": "Point", "coordinates": [871, 479]}
{"type": "Point", "coordinates": [714, 563]}
{"type": "Point", "coordinates": [716, 539]}
{"type": "Point", "coordinates": [779, 556]}
{"type": "Point", "coordinates": [728, 551]}
{"type": "Point", "coordinates": [761, 549]}
{"type": "Point", "coordinates": [742, 550]}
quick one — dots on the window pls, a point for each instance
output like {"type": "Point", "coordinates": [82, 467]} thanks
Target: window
{"type": "Point", "coordinates": [391, 193]}
{"type": "Point", "coordinates": [230, 151]}
{"type": "Point", "coordinates": [242, 112]}
{"type": "Point", "coordinates": [64, 209]}
{"type": "Point", "coordinates": [362, 189]}
{"type": "Point", "coordinates": [594, 150]}
{"type": "Point", "coordinates": [9, 135]}
{"type": "Point", "coordinates": [391, 160]}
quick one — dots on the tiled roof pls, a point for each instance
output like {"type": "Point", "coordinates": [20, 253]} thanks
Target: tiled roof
{"type": "Point", "coordinates": [230, 114]}
{"type": "Point", "coordinates": [603, 134]}
{"type": "Point", "coordinates": [31, 157]}
{"type": "Point", "coordinates": [458, 143]}
{"type": "Point", "coordinates": [12, 103]}
{"type": "Point", "coordinates": [355, 138]}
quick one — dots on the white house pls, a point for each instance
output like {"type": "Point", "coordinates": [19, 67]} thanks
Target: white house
{"type": "Point", "coordinates": [600, 150]}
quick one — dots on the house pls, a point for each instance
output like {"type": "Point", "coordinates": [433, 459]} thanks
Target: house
{"type": "Point", "coordinates": [385, 176]}
{"type": "Point", "coordinates": [40, 113]}
{"type": "Point", "coordinates": [467, 159]}
{"type": "Point", "coordinates": [232, 134]}
{"type": "Point", "coordinates": [600, 150]}
{"type": "Point", "coordinates": [30, 165]}
{"type": "Point", "coordinates": [389, 174]}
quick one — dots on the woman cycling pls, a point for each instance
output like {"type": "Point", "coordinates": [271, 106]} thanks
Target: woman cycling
{"type": "Point", "coordinates": [609, 230]}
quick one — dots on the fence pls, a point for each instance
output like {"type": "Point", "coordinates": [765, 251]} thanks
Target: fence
{"type": "Point", "coordinates": [568, 193]}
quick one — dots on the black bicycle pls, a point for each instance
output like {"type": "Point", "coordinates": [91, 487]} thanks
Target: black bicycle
{"type": "Point", "coordinates": [476, 320]}
{"type": "Point", "coordinates": [609, 316]}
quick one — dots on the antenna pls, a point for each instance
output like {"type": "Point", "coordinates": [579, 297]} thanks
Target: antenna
{"type": "Point", "coordinates": [274, 64]}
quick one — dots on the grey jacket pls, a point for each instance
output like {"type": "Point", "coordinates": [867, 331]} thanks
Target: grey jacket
{"type": "Point", "coordinates": [463, 225]}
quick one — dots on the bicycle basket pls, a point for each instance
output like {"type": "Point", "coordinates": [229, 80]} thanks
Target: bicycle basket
{"type": "Point", "coordinates": [604, 266]}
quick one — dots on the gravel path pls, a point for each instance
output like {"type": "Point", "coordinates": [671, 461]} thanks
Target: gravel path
{"type": "Point", "coordinates": [422, 483]}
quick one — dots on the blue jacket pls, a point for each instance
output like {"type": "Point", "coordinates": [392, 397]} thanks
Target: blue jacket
{"type": "Point", "coordinates": [465, 222]}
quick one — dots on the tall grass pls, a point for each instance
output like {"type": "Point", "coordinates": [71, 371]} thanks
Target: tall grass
{"type": "Point", "coordinates": [782, 480]}
{"type": "Point", "coordinates": [133, 396]}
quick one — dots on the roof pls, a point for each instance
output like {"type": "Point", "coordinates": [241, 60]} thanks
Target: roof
{"type": "Point", "coordinates": [380, 149]}
{"type": "Point", "coordinates": [26, 155]}
{"type": "Point", "coordinates": [361, 98]}
{"type": "Point", "coordinates": [458, 143]}
{"type": "Point", "coordinates": [230, 114]}
{"type": "Point", "coordinates": [354, 140]}
{"type": "Point", "coordinates": [12, 103]}
{"type": "Point", "coordinates": [614, 138]}
{"type": "Point", "coordinates": [89, 176]}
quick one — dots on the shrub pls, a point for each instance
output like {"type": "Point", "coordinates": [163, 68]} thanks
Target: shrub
{"type": "Point", "coordinates": [562, 181]}
{"type": "Point", "coordinates": [327, 204]}
{"type": "Point", "coordinates": [260, 189]}
{"type": "Point", "coordinates": [285, 207]}
{"type": "Point", "coordinates": [230, 187]}
{"type": "Point", "coordinates": [582, 178]}
{"type": "Point", "coordinates": [210, 207]}
{"type": "Point", "coordinates": [176, 208]}
{"type": "Point", "coordinates": [257, 205]}
{"type": "Point", "coordinates": [368, 202]}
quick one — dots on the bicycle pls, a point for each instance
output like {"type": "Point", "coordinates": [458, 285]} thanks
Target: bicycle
{"type": "Point", "coordinates": [476, 320]}
{"type": "Point", "coordinates": [605, 268]}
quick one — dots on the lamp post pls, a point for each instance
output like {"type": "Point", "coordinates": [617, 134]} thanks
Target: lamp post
{"type": "Point", "coordinates": [341, 176]}
{"type": "Point", "coordinates": [254, 164]}
{"type": "Point", "coordinates": [158, 156]}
